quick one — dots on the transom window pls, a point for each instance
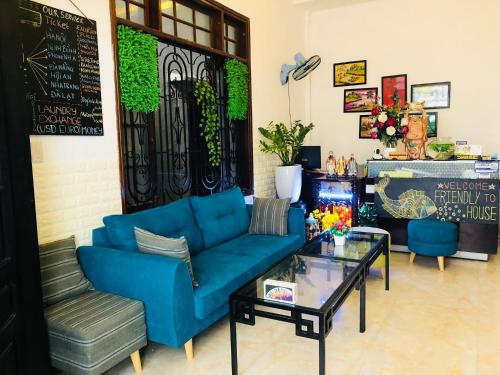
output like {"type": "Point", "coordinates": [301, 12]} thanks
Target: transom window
{"type": "Point", "coordinates": [133, 10]}
{"type": "Point", "coordinates": [185, 22]}
{"type": "Point", "coordinates": [205, 23]}
{"type": "Point", "coordinates": [230, 38]}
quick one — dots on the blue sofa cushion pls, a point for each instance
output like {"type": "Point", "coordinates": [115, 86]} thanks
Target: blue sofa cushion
{"type": "Point", "coordinates": [218, 275]}
{"type": "Point", "coordinates": [221, 216]}
{"type": "Point", "coordinates": [222, 269]}
{"type": "Point", "coordinates": [267, 249]}
{"type": "Point", "coordinates": [172, 220]}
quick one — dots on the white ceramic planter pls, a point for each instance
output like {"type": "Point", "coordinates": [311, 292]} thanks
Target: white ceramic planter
{"type": "Point", "coordinates": [288, 181]}
{"type": "Point", "coordinates": [339, 240]}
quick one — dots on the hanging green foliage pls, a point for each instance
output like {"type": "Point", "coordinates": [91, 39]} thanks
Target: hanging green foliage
{"type": "Point", "coordinates": [237, 89]}
{"type": "Point", "coordinates": [138, 67]}
{"type": "Point", "coordinates": [209, 124]}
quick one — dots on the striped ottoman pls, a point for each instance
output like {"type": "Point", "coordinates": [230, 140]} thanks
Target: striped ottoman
{"type": "Point", "coordinates": [92, 332]}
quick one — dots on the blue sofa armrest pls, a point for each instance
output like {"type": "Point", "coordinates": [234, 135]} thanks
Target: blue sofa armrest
{"type": "Point", "coordinates": [161, 283]}
{"type": "Point", "coordinates": [296, 221]}
{"type": "Point", "coordinates": [100, 237]}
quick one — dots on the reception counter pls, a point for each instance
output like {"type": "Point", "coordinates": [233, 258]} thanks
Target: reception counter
{"type": "Point", "coordinates": [465, 192]}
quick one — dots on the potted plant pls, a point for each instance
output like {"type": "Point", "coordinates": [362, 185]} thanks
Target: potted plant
{"type": "Point", "coordinates": [286, 143]}
{"type": "Point", "coordinates": [339, 231]}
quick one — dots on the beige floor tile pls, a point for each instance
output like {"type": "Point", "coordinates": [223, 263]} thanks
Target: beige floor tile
{"type": "Point", "coordinates": [430, 322]}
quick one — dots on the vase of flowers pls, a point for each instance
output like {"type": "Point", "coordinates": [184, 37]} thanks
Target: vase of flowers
{"type": "Point", "coordinates": [388, 125]}
{"type": "Point", "coordinates": [339, 231]}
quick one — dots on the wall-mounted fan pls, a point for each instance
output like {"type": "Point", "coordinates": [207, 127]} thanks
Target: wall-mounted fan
{"type": "Point", "coordinates": [301, 68]}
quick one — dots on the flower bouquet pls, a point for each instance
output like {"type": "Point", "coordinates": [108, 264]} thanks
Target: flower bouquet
{"type": "Point", "coordinates": [332, 215]}
{"type": "Point", "coordinates": [339, 231]}
{"type": "Point", "coordinates": [387, 124]}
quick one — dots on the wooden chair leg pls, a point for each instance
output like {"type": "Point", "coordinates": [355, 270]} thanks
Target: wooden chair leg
{"type": "Point", "coordinates": [382, 272]}
{"type": "Point", "coordinates": [412, 257]}
{"type": "Point", "coordinates": [188, 347]}
{"type": "Point", "coordinates": [136, 361]}
{"type": "Point", "coordinates": [441, 263]}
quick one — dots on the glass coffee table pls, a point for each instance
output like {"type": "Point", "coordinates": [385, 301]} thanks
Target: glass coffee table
{"type": "Point", "coordinates": [324, 275]}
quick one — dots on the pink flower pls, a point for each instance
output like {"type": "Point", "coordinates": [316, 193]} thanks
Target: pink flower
{"type": "Point", "coordinates": [374, 135]}
{"type": "Point", "coordinates": [380, 125]}
{"type": "Point", "coordinates": [404, 129]}
{"type": "Point", "coordinates": [390, 122]}
{"type": "Point", "coordinates": [375, 111]}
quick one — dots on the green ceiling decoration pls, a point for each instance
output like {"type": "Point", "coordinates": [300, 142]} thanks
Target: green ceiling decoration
{"type": "Point", "coordinates": [138, 67]}
{"type": "Point", "coordinates": [237, 89]}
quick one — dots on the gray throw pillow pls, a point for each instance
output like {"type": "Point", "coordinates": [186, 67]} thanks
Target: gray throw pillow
{"type": "Point", "coordinates": [151, 243]}
{"type": "Point", "coordinates": [270, 216]}
{"type": "Point", "coordinates": [61, 274]}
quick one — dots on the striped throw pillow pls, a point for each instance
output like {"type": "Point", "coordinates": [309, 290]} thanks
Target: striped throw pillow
{"type": "Point", "coordinates": [151, 243]}
{"type": "Point", "coordinates": [61, 274]}
{"type": "Point", "coordinates": [270, 216]}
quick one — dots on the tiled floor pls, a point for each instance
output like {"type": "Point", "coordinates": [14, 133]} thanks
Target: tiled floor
{"type": "Point", "coordinates": [430, 322]}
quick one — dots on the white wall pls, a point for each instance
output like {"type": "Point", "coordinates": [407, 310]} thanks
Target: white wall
{"type": "Point", "coordinates": [431, 41]}
{"type": "Point", "coordinates": [277, 33]}
{"type": "Point", "coordinates": [76, 178]}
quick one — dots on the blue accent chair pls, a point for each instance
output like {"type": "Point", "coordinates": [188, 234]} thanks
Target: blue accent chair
{"type": "Point", "coordinates": [224, 258]}
{"type": "Point", "coordinates": [433, 238]}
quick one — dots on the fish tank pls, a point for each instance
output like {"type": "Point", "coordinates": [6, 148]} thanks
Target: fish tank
{"type": "Point", "coordinates": [340, 195]}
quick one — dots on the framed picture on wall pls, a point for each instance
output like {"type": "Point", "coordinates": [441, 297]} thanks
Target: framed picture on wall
{"type": "Point", "coordinates": [364, 128]}
{"type": "Point", "coordinates": [360, 100]}
{"type": "Point", "coordinates": [435, 95]}
{"type": "Point", "coordinates": [432, 124]}
{"type": "Point", "coordinates": [394, 87]}
{"type": "Point", "coordinates": [349, 73]}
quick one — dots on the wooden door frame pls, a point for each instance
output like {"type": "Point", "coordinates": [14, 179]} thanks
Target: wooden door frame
{"type": "Point", "coordinates": [31, 332]}
{"type": "Point", "coordinates": [153, 20]}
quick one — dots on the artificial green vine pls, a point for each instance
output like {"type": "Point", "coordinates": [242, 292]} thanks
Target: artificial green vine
{"type": "Point", "coordinates": [209, 124]}
{"type": "Point", "coordinates": [237, 89]}
{"type": "Point", "coordinates": [138, 65]}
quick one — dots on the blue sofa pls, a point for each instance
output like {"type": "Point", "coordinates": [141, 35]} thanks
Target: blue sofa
{"type": "Point", "coordinates": [223, 254]}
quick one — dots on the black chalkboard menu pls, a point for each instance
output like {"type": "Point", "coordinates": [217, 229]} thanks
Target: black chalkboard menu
{"type": "Point", "coordinates": [456, 200]}
{"type": "Point", "coordinates": [61, 70]}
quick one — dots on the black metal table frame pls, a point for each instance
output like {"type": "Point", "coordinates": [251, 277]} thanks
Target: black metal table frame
{"type": "Point", "coordinates": [242, 309]}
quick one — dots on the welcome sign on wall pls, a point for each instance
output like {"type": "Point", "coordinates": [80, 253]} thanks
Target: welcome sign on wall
{"type": "Point", "coordinates": [61, 70]}
{"type": "Point", "coordinates": [456, 200]}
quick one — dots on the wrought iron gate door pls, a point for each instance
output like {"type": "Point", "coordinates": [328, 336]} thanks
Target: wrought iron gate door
{"type": "Point", "coordinates": [164, 156]}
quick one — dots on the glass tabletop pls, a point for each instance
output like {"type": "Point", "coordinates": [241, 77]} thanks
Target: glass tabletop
{"type": "Point", "coordinates": [357, 245]}
{"type": "Point", "coordinates": [315, 272]}
{"type": "Point", "coordinates": [316, 279]}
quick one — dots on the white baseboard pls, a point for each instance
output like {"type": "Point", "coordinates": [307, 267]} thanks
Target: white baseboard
{"type": "Point", "coordinates": [459, 254]}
